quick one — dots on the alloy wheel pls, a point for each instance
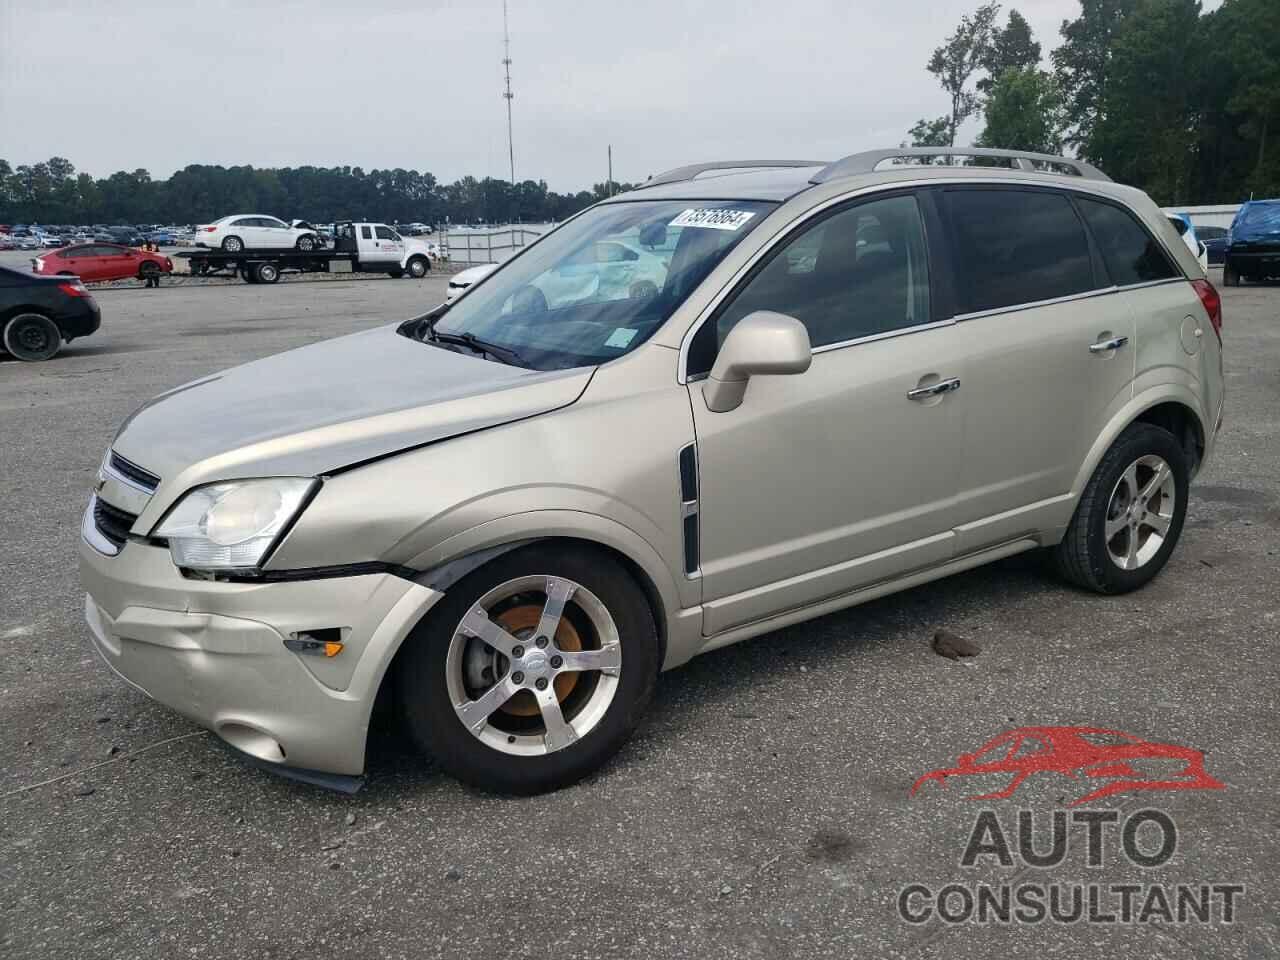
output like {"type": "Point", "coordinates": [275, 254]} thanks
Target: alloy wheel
{"type": "Point", "coordinates": [534, 665]}
{"type": "Point", "coordinates": [1139, 512]}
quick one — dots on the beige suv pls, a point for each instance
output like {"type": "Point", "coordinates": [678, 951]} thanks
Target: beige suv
{"type": "Point", "coordinates": [740, 397]}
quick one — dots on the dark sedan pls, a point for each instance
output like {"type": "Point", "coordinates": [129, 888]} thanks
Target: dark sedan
{"type": "Point", "coordinates": [37, 314]}
{"type": "Point", "coordinates": [1215, 240]}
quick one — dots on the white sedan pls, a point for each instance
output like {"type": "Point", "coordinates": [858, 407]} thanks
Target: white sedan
{"type": "Point", "coordinates": [460, 281]}
{"type": "Point", "coordinates": [253, 231]}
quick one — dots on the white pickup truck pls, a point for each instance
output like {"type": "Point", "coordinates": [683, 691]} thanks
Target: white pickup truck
{"type": "Point", "coordinates": [379, 248]}
{"type": "Point", "coordinates": [360, 247]}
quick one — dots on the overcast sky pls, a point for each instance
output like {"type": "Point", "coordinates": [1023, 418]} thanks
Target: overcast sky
{"type": "Point", "coordinates": [121, 84]}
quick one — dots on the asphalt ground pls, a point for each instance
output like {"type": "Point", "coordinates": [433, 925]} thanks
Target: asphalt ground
{"type": "Point", "coordinates": [762, 811]}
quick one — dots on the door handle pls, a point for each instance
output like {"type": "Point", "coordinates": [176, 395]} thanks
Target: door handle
{"type": "Point", "coordinates": [1102, 346]}
{"type": "Point", "coordinates": [935, 389]}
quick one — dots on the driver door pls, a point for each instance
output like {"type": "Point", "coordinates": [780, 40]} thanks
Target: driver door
{"type": "Point", "coordinates": [824, 482]}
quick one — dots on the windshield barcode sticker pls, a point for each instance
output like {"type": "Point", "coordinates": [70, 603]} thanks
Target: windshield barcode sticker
{"type": "Point", "coordinates": [713, 219]}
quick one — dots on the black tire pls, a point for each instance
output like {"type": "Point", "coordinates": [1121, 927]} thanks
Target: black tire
{"type": "Point", "coordinates": [1083, 556]}
{"type": "Point", "coordinates": [1230, 278]}
{"type": "Point", "coordinates": [425, 700]}
{"type": "Point", "coordinates": [32, 337]}
{"type": "Point", "coordinates": [232, 245]}
{"type": "Point", "coordinates": [306, 243]}
{"type": "Point", "coordinates": [419, 267]}
{"type": "Point", "coordinates": [266, 273]}
{"type": "Point", "coordinates": [248, 275]}
{"type": "Point", "coordinates": [395, 274]}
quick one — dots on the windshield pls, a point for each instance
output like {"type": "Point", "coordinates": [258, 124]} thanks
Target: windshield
{"type": "Point", "coordinates": [599, 286]}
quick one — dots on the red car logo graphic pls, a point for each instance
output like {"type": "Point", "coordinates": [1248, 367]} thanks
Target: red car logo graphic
{"type": "Point", "coordinates": [1077, 752]}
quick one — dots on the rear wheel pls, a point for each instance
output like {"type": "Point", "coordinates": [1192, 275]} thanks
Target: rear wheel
{"type": "Point", "coordinates": [532, 671]}
{"type": "Point", "coordinates": [1230, 278]}
{"type": "Point", "coordinates": [32, 337]}
{"type": "Point", "coordinates": [232, 244]}
{"type": "Point", "coordinates": [1130, 515]}
{"type": "Point", "coordinates": [267, 273]}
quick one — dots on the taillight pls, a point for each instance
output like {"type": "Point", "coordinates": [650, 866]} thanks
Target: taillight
{"type": "Point", "coordinates": [1212, 304]}
{"type": "Point", "coordinates": [73, 289]}
{"type": "Point", "coordinates": [208, 229]}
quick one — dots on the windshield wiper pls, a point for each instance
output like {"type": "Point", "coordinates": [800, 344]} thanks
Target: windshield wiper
{"type": "Point", "coordinates": [475, 344]}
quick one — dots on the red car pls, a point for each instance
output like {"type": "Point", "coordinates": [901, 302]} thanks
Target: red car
{"type": "Point", "coordinates": [102, 261]}
{"type": "Point", "coordinates": [1092, 753]}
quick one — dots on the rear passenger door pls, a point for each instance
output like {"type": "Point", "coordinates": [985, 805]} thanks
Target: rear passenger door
{"type": "Point", "coordinates": [1049, 354]}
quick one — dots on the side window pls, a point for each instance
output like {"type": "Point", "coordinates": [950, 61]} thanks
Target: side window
{"type": "Point", "coordinates": [1016, 246]}
{"type": "Point", "coordinates": [246, 222]}
{"type": "Point", "coordinates": [1131, 254]}
{"type": "Point", "coordinates": [366, 233]}
{"type": "Point", "coordinates": [858, 272]}
{"type": "Point", "coordinates": [384, 233]}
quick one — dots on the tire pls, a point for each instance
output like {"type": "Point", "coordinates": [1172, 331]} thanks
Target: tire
{"type": "Point", "coordinates": [32, 337]}
{"type": "Point", "coordinates": [306, 243]}
{"type": "Point", "coordinates": [232, 245]}
{"type": "Point", "coordinates": [1113, 500]}
{"type": "Point", "coordinates": [395, 274]}
{"type": "Point", "coordinates": [1230, 278]}
{"type": "Point", "coordinates": [419, 267]}
{"type": "Point", "coordinates": [248, 276]}
{"type": "Point", "coordinates": [509, 752]}
{"type": "Point", "coordinates": [266, 273]}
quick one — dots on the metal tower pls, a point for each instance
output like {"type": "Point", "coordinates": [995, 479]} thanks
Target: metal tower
{"type": "Point", "coordinates": [508, 95]}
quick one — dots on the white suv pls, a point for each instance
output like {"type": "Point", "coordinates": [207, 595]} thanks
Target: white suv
{"type": "Point", "coordinates": [254, 231]}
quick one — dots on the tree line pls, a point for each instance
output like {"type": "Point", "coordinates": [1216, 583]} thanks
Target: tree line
{"type": "Point", "coordinates": [1156, 93]}
{"type": "Point", "coordinates": [52, 192]}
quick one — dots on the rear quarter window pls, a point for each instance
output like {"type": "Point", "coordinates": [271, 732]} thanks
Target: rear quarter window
{"type": "Point", "coordinates": [1013, 247]}
{"type": "Point", "coordinates": [1131, 254]}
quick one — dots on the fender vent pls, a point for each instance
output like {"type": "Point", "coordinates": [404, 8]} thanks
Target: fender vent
{"type": "Point", "coordinates": [688, 464]}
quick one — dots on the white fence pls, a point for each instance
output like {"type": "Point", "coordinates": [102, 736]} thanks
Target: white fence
{"type": "Point", "coordinates": [476, 246]}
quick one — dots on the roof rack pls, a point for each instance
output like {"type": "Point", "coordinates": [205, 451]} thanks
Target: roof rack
{"type": "Point", "coordinates": [870, 160]}
{"type": "Point", "coordinates": [692, 170]}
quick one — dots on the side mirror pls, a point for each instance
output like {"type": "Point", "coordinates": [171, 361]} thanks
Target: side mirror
{"type": "Point", "coordinates": [762, 343]}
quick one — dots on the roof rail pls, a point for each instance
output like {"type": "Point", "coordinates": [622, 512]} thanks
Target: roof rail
{"type": "Point", "coordinates": [692, 170]}
{"type": "Point", "coordinates": [870, 160]}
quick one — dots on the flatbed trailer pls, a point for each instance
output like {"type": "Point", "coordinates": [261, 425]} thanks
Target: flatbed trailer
{"type": "Point", "coordinates": [265, 266]}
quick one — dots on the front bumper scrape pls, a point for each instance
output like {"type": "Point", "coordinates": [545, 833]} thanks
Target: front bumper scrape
{"type": "Point", "coordinates": [216, 653]}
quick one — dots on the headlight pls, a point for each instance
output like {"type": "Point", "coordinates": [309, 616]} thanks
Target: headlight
{"type": "Point", "coordinates": [227, 526]}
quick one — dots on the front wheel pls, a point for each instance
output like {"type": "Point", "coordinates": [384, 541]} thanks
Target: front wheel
{"type": "Point", "coordinates": [267, 273]}
{"type": "Point", "coordinates": [306, 243]}
{"type": "Point", "coordinates": [532, 671]}
{"type": "Point", "coordinates": [32, 337]}
{"type": "Point", "coordinates": [1130, 515]}
{"type": "Point", "coordinates": [418, 267]}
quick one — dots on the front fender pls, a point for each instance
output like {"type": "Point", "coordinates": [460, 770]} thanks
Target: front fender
{"type": "Point", "coordinates": [676, 595]}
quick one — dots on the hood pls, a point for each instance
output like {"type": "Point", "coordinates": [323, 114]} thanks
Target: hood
{"type": "Point", "coordinates": [326, 406]}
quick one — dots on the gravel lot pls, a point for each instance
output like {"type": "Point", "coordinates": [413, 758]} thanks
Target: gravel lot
{"type": "Point", "coordinates": [762, 812]}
